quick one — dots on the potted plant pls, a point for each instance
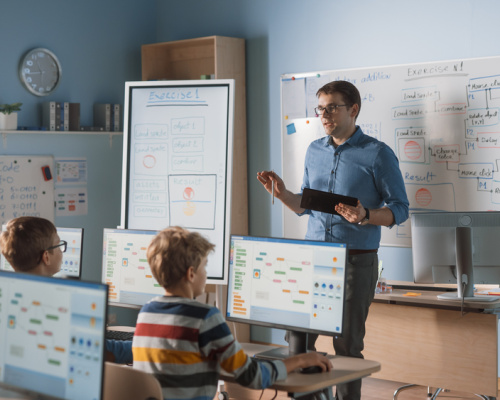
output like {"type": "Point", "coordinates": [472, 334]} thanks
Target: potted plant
{"type": "Point", "coordinates": [8, 116]}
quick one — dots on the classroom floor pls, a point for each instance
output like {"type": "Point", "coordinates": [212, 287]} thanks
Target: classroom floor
{"type": "Point", "coordinates": [372, 389]}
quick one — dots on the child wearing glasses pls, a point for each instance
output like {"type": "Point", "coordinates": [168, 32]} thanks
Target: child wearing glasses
{"type": "Point", "coordinates": [32, 245]}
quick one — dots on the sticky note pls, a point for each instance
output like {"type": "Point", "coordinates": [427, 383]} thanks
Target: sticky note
{"type": "Point", "coordinates": [412, 294]}
{"type": "Point", "coordinates": [290, 129]}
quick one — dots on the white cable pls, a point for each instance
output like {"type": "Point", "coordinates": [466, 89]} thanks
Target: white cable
{"type": "Point", "coordinates": [234, 330]}
{"type": "Point", "coordinates": [463, 295]}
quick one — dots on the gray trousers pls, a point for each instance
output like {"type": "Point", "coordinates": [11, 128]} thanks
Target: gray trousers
{"type": "Point", "coordinates": [361, 279]}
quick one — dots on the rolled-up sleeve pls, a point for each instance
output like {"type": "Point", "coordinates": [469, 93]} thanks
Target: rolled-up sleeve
{"type": "Point", "coordinates": [390, 184]}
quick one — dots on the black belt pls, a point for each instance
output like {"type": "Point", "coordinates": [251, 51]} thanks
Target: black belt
{"type": "Point", "coordinates": [355, 252]}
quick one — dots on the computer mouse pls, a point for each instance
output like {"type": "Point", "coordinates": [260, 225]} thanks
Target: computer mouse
{"type": "Point", "coordinates": [311, 370]}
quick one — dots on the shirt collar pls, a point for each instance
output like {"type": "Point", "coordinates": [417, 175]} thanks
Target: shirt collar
{"type": "Point", "coordinates": [354, 140]}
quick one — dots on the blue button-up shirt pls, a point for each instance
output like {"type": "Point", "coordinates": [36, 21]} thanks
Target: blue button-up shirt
{"type": "Point", "coordinates": [361, 167]}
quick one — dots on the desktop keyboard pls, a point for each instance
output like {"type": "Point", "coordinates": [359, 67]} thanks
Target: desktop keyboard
{"type": "Point", "coordinates": [119, 335]}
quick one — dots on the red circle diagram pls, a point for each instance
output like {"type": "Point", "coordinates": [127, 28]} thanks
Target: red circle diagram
{"type": "Point", "coordinates": [423, 197]}
{"type": "Point", "coordinates": [413, 150]}
{"type": "Point", "coordinates": [149, 161]}
{"type": "Point", "coordinates": [188, 193]}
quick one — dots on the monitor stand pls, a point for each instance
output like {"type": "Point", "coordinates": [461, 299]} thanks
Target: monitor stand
{"type": "Point", "coordinates": [465, 269]}
{"type": "Point", "coordinates": [297, 344]}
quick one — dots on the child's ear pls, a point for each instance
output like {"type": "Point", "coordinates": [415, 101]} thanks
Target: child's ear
{"type": "Point", "coordinates": [45, 257]}
{"type": "Point", "coordinates": [190, 273]}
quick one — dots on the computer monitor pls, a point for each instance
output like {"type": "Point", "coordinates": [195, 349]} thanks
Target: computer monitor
{"type": "Point", "coordinates": [125, 267]}
{"type": "Point", "coordinates": [456, 247]}
{"type": "Point", "coordinates": [297, 285]}
{"type": "Point", "coordinates": [72, 259]}
{"type": "Point", "coordinates": [52, 336]}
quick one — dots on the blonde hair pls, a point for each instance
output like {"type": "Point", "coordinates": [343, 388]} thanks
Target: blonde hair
{"type": "Point", "coordinates": [24, 241]}
{"type": "Point", "coordinates": [173, 251]}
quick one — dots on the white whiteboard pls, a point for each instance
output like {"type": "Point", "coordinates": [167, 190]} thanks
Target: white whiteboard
{"type": "Point", "coordinates": [23, 189]}
{"type": "Point", "coordinates": [441, 119]}
{"type": "Point", "coordinates": [177, 161]}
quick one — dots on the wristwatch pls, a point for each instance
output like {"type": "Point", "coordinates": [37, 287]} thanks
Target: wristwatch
{"type": "Point", "coordinates": [365, 220]}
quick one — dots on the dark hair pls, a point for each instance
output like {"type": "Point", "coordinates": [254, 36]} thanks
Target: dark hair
{"type": "Point", "coordinates": [24, 241]}
{"type": "Point", "coordinates": [349, 92]}
{"type": "Point", "coordinates": [173, 251]}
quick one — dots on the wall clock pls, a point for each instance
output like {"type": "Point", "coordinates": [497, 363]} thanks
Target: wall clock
{"type": "Point", "coordinates": [40, 71]}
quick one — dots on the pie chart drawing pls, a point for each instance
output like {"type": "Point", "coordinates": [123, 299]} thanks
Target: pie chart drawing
{"type": "Point", "coordinates": [188, 193]}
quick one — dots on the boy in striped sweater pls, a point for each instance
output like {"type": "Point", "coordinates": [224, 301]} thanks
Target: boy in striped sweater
{"type": "Point", "coordinates": [185, 343]}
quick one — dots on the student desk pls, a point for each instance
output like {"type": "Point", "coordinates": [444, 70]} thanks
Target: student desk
{"type": "Point", "coordinates": [345, 369]}
{"type": "Point", "coordinates": [426, 341]}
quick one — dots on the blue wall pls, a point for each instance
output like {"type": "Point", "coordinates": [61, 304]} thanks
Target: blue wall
{"type": "Point", "coordinates": [97, 42]}
{"type": "Point", "coordinates": [99, 46]}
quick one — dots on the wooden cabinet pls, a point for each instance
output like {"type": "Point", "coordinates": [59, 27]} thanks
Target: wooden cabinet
{"type": "Point", "coordinates": [223, 57]}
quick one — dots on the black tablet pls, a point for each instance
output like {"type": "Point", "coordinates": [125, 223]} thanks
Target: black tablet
{"type": "Point", "coordinates": [318, 200]}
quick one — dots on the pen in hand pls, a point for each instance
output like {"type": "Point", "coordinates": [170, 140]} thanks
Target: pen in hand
{"type": "Point", "coordinates": [272, 182]}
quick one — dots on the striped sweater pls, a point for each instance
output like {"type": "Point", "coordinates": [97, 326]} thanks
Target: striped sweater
{"type": "Point", "coordinates": [185, 344]}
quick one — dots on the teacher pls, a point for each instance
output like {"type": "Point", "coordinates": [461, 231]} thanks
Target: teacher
{"type": "Point", "coordinates": [350, 163]}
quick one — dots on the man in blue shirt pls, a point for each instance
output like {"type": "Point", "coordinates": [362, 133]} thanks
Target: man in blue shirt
{"type": "Point", "coordinates": [350, 163]}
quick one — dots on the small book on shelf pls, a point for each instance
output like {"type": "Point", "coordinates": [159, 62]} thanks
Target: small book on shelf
{"type": "Point", "coordinates": [108, 116]}
{"type": "Point", "coordinates": [74, 117]}
{"type": "Point", "coordinates": [102, 115]}
{"type": "Point", "coordinates": [49, 115]}
{"type": "Point", "coordinates": [65, 116]}
{"type": "Point", "coordinates": [59, 116]}
{"type": "Point", "coordinates": [117, 117]}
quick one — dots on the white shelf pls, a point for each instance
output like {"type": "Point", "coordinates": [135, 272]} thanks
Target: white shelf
{"type": "Point", "coordinates": [101, 133]}
{"type": "Point", "coordinates": [113, 133]}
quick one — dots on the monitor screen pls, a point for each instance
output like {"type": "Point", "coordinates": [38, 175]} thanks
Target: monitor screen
{"type": "Point", "coordinates": [72, 259]}
{"type": "Point", "coordinates": [298, 285]}
{"type": "Point", "coordinates": [125, 267]}
{"type": "Point", "coordinates": [435, 250]}
{"type": "Point", "coordinates": [52, 336]}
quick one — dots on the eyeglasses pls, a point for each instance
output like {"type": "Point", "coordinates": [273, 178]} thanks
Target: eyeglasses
{"type": "Point", "coordinates": [63, 245]}
{"type": "Point", "coordinates": [329, 109]}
